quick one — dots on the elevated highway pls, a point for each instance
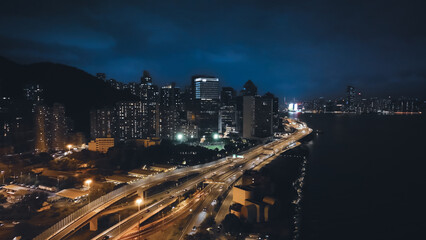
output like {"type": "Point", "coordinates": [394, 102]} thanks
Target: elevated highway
{"type": "Point", "coordinates": [67, 225]}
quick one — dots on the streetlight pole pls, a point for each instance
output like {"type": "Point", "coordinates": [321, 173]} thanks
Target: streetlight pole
{"type": "Point", "coordinates": [119, 225]}
{"type": "Point", "coordinates": [138, 202]}
{"type": "Point", "coordinates": [88, 182]}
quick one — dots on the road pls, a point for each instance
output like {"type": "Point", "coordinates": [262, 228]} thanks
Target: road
{"type": "Point", "coordinates": [79, 218]}
{"type": "Point", "coordinates": [205, 207]}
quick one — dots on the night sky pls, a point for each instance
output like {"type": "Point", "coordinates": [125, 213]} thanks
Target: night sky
{"type": "Point", "coordinates": [301, 49]}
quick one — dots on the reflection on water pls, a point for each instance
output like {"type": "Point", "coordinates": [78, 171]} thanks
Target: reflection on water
{"type": "Point", "coordinates": [363, 178]}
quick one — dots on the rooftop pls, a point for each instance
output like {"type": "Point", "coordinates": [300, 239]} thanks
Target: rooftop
{"type": "Point", "coordinates": [72, 193]}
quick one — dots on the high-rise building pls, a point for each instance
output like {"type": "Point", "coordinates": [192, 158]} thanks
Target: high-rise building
{"type": "Point", "coordinates": [228, 111]}
{"type": "Point", "coordinates": [248, 116]}
{"type": "Point", "coordinates": [134, 88]}
{"type": "Point", "coordinates": [249, 89]}
{"type": "Point", "coordinates": [206, 95]}
{"type": "Point", "coordinates": [227, 96]}
{"type": "Point", "coordinates": [51, 129]}
{"type": "Point", "coordinates": [149, 95]}
{"type": "Point", "coordinates": [264, 116]}
{"type": "Point", "coordinates": [350, 102]}
{"type": "Point", "coordinates": [206, 88]}
{"type": "Point", "coordinates": [129, 120]}
{"type": "Point", "coordinates": [257, 112]}
{"type": "Point", "coordinates": [58, 127]}
{"type": "Point", "coordinates": [275, 107]}
{"type": "Point", "coordinates": [115, 84]}
{"type": "Point", "coordinates": [170, 109]}
{"type": "Point", "coordinates": [41, 129]}
{"type": "Point", "coordinates": [102, 123]}
{"type": "Point", "coordinates": [34, 93]}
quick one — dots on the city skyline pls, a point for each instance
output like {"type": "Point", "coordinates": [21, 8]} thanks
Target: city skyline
{"type": "Point", "coordinates": [202, 120]}
{"type": "Point", "coordinates": [306, 50]}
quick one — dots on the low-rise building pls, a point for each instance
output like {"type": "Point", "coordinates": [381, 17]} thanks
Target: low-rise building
{"type": "Point", "coordinates": [73, 194]}
{"type": "Point", "coordinates": [119, 179]}
{"type": "Point", "coordinates": [250, 207]}
{"type": "Point", "coordinates": [141, 173]}
{"type": "Point", "coordinates": [101, 144]}
{"type": "Point", "coordinates": [148, 142]}
{"type": "Point", "coordinates": [241, 194]}
{"type": "Point", "coordinates": [15, 193]}
{"type": "Point", "coordinates": [162, 167]}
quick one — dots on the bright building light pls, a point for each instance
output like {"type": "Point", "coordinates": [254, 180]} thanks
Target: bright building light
{"type": "Point", "coordinates": [291, 107]}
{"type": "Point", "coordinates": [88, 182]}
{"type": "Point", "coordinates": [179, 136]}
{"type": "Point", "coordinates": [215, 136]}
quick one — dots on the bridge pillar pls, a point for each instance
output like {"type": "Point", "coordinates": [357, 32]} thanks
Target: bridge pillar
{"type": "Point", "coordinates": [93, 224]}
{"type": "Point", "coordinates": [141, 193]}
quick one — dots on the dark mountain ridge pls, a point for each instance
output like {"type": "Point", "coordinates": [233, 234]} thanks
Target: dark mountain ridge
{"type": "Point", "coordinates": [76, 89]}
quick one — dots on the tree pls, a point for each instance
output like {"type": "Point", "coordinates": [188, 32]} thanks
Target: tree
{"type": "Point", "coordinates": [208, 222]}
{"type": "Point", "coordinates": [232, 223]}
{"type": "Point", "coordinates": [42, 158]}
{"type": "Point", "coordinates": [200, 235]}
{"type": "Point", "coordinates": [2, 199]}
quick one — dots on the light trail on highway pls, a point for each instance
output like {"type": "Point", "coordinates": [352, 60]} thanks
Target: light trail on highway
{"type": "Point", "coordinates": [81, 217]}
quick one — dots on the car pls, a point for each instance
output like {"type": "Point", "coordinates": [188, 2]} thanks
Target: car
{"type": "Point", "coordinates": [194, 228]}
{"type": "Point", "coordinates": [204, 209]}
{"type": "Point", "coordinates": [105, 237]}
{"type": "Point", "coordinates": [15, 222]}
{"type": "Point", "coordinates": [147, 211]}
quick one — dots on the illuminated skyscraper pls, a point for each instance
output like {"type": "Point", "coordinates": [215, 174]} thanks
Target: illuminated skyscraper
{"type": "Point", "coordinates": [129, 120]}
{"type": "Point", "coordinates": [41, 129]}
{"type": "Point", "coordinates": [170, 109]}
{"type": "Point", "coordinates": [257, 112]}
{"type": "Point", "coordinates": [149, 109]}
{"type": "Point", "coordinates": [228, 111]}
{"type": "Point", "coordinates": [101, 123]}
{"type": "Point", "coordinates": [206, 104]}
{"type": "Point", "coordinates": [58, 127]}
{"type": "Point", "coordinates": [350, 102]}
{"type": "Point", "coordinates": [51, 129]}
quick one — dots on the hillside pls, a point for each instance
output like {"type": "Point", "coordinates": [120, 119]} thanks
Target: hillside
{"type": "Point", "coordinates": [77, 90]}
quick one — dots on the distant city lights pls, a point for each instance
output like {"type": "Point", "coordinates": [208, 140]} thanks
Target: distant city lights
{"type": "Point", "coordinates": [293, 107]}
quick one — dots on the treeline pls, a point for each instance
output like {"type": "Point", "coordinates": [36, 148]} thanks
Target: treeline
{"type": "Point", "coordinates": [128, 156]}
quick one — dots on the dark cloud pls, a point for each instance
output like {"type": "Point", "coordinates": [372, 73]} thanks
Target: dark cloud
{"type": "Point", "coordinates": [292, 48]}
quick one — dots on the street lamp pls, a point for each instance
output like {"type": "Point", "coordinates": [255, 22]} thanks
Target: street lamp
{"type": "Point", "coordinates": [179, 136]}
{"type": "Point", "coordinates": [88, 182]}
{"type": "Point", "coordinates": [69, 146]}
{"type": "Point", "coordinates": [215, 136]}
{"type": "Point", "coordinates": [139, 202]}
